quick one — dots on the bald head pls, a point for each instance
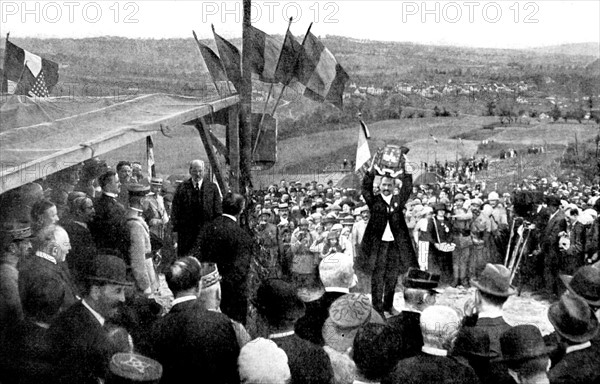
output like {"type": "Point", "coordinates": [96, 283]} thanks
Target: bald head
{"type": "Point", "coordinates": [197, 169]}
{"type": "Point", "coordinates": [439, 325]}
{"type": "Point", "coordinates": [53, 240]}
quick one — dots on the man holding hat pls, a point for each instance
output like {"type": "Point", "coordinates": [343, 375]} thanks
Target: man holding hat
{"type": "Point", "coordinates": [79, 336]}
{"type": "Point", "coordinates": [485, 311]}
{"type": "Point", "coordinates": [576, 326]}
{"type": "Point", "coordinates": [386, 249]}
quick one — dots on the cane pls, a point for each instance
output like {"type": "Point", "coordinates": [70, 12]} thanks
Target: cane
{"type": "Point", "coordinates": [512, 227]}
{"type": "Point", "coordinates": [516, 266]}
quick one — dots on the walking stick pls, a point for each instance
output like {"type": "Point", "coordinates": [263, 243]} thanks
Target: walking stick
{"type": "Point", "coordinates": [512, 227]}
{"type": "Point", "coordinates": [516, 266]}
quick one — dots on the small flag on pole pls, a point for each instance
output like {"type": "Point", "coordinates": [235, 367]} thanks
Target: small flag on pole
{"type": "Point", "coordinates": [28, 74]}
{"type": "Point", "coordinates": [150, 157]}
{"type": "Point", "coordinates": [363, 154]}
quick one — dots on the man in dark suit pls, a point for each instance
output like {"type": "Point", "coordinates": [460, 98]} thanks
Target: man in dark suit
{"type": "Point", "coordinates": [224, 242]}
{"type": "Point", "coordinates": [485, 310]}
{"type": "Point", "coordinates": [405, 329]}
{"type": "Point", "coordinates": [193, 345]}
{"type": "Point", "coordinates": [386, 248]}
{"type": "Point", "coordinates": [439, 325]}
{"type": "Point", "coordinates": [278, 307]}
{"type": "Point", "coordinates": [107, 227]}
{"type": "Point", "coordinates": [196, 202]}
{"type": "Point", "coordinates": [337, 275]}
{"type": "Point", "coordinates": [79, 337]}
{"type": "Point", "coordinates": [51, 246]}
{"type": "Point", "coordinates": [576, 327]}
{"type": "Point", "coordinates": [549, 244]}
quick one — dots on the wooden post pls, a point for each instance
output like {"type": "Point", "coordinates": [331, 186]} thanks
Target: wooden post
{"type": "Point", "coordinates": [245, 135]}
{"type": "Point", "coordinates": [202, 128]}
{"type": "Point", "coordinates": [233, 146]}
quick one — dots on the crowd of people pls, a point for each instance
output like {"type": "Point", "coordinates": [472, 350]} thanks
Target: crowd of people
{"type": "Point", "coordinates": [110, 276]}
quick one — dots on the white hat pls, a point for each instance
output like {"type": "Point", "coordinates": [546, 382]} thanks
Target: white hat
{"type": "Point", "coordinates": [493, 196]}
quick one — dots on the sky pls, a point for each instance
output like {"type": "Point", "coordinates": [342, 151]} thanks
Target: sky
{"type": "Point", "coordinates": [490, 24]}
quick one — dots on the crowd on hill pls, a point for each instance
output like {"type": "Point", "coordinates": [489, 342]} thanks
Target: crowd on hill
{"type": "Point", "coordinates": [294, 283]}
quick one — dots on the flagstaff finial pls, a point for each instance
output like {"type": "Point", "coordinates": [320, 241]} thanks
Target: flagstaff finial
{"type": "Point", "coordinates": [194, 32]}
{"type": "Point", "coordinates": [213, 27]}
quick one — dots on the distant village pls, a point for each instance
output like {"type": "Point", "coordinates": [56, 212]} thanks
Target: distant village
{"type": "Point", "coordinates": [521, 93]}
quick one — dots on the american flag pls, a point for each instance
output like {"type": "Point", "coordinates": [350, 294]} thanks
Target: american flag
{"type": "Point", "coordinates": [39, 88]}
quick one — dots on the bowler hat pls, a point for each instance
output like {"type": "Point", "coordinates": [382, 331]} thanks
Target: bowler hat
{"type": "Point", "coordinates": [473, 342]}
{"type": "Point", "coordinates": [138, 190]}
{"type": "Point", "coordinates": [495, 281]}
{"type": "Point", "coordinates": [134, 368]}
{"type": "Point", "coordinates": [522, 342]}
{"type": "Point", "coordinates": [573, 319]}
{"type": "Point", "coordinates": [421, 279]}
{"type": "Point", "coordinates": [585, 283]}
{"type": "Point", "coordinates": [108, 269]}
{"type": "Point", "coordinates": [277, 301]}
{"type": "Point", "coordinates": [346, 315]}
{"type": "Point", "coordinates": [16, 230]}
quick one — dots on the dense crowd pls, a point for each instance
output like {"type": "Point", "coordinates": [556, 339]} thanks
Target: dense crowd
{"type": "Point", "coordinates": [110, 276]}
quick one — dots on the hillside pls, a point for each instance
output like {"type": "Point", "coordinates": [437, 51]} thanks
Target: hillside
{"type": "Point", "coordinates": [578, 49]}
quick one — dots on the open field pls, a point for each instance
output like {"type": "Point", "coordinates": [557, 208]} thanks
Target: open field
{"type": "Point", "coordinates": [324, 152]}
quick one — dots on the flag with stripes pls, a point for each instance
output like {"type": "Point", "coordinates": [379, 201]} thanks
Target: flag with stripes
{"type": "Point", "coordinates": [363, 154]}
{"type": "Point", "coordinates": [28, 74]}
{"type": "Point", "coordinates": [286, 64]}
{"type": "Point", "coordinates": [150, 157]}
{"type": "Point", "coordinates": [212, 61]}
{"type": "Point", "coordinates": [263, 54]}
{"type": "Point", "coordinates": [231, 59]}
{"type": "Point", "coordinates": [433, 138]}
{"type": "Point", "coordinates": [323, 77]}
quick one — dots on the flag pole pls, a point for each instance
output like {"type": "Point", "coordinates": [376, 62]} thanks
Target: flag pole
{"type": "Point", "coordinates": [5, 61]}
{"type": "Point", "coordinates": [262, 119]}
{"type": "Point", "coordinates": [213, 80]}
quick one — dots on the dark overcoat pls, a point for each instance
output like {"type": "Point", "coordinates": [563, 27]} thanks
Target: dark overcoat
{"type": "Point", "coordinates": [381, 214]}
{"type": "Point", "coordinates": [191, 210]}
